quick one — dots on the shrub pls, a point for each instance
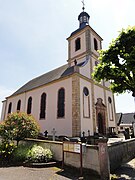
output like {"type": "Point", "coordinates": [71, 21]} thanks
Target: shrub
{"type": "Point", "coordinates": [19, 126]}
{"type": "Point", "coordinates": [20, 153]}
{"type": "Point", "coordinates": [6, 150]}
{"type": "Point", "coordinates": [39, 154]}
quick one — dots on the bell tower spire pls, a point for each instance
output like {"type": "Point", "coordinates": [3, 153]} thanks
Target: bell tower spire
{"type": "Point", "coordinates": [83, 5]}
{"type": "Point", "coordinates": [83, 17]}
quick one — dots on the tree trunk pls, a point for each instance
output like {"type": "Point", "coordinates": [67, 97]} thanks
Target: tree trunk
{"type": "Point", "coordinates": [17, 143]}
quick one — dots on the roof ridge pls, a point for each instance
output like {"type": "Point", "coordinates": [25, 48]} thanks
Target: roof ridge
{"type": "Point", "coordinates": [47, 73]}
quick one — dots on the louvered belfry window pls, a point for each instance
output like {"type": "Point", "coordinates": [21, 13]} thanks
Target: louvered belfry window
{"type": "Point", "coordinates": [77, 44]}
{"type": "Point", "coordinates": [95, 44]}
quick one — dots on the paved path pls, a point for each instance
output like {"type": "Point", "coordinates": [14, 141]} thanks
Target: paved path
{"type": "Point", "coordinates": [26, 173]}
{"type": "Point", "coordinates": [125, 172]}
{"type": "Point", "coordinates": [50, 173]}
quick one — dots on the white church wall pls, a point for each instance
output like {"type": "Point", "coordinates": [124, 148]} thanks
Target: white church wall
{"type": "Point", "coordinates": [51, 121]}
{"type": "Point", "coordinates": [3, 110]}
{"type": "Point", "coordinates": [86, 122]}
{"type": "Point", "coordinates": [111, 110]}
{"type": "Point", "coordinates": [93, 35]}
{"type": "Point", "coordinates": [79, 60]}
{"type": "Point", "coordinates": [107, 84]}
{"type": "Point", "coordinates": [83, 45]}
{"type": "Point", "coordinates": [94, 61]}
{"type": "Point", "coordinates": [99, 93]}
{"type": "Point", "coordinates": [85, 70]}
{"type": "Point", "coordinates": [14, 100]}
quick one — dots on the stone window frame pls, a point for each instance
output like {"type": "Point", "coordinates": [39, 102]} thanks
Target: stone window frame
{"type": "Point", "coordinates": [87, 95]}
{"type": "Point", "coordinates": [9, 107]}
{"type": "Point", "coordinates": [78, 44]}
{"type": "Point", "coordinates": [95, 44]}
{"type": "Point", "coordinates": [110, 105]}
{"type": "Point", "coordinates": [43, 106]}
{"type": "Point", "coordinates": [18, 105]}
{"type": "Point", "coordinates": [29, 105]}
{"type": "Point", "coordinates": [96, 63]}
{"type": "Point", "coordinates": [61, 103]}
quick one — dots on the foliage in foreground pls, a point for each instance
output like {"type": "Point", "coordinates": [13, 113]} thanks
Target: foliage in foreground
{"type": "Point", "coordinates": [39, 154]}
{"type": "Point", "coordinates": [11, 154]}
{"type": "Point", "coordinates": [6, 150]}
{"type": "Point", "coordinates": [20, 153]}
{"type": "Point", "coordinates": [18, 126]}
{"type": "Point", "coordinates": [117, 63]}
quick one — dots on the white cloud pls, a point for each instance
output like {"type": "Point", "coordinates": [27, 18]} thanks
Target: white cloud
{"type": "Point", "coordinates": [4, 92]}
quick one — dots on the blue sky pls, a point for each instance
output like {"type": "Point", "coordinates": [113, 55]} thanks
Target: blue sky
{"type": "Point", "coordinates": [33, 37]}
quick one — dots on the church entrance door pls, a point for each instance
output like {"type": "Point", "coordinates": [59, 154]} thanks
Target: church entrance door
{"type": "Point", "coordinates": [101, 118]}
{"type": "Point", "coordinates": [100, 124]}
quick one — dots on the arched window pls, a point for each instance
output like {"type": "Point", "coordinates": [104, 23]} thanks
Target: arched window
{"type": "Point", "coordinates": [86, 103]}
{"type": "Point", "coordinates": [96, 63]}
{"type": "Point", "coordinates": [29, 105]}
{"type": "Point", "coordinates": [110, 108]}
{"type": "Point", "coordinates": [19, 105]}
{"type": "Point", "coordinates": [9, 108]}
{"type": "Point", "coordinates": [61, 103]}
{"type": "Point", "coordinates": [95, 44]}
{"type": "Point", "coordinates": [77, 44]}
{"type": "Point", "coordinates": [43, 106]}
{"type": "Point", "coordinates": [85, 91]}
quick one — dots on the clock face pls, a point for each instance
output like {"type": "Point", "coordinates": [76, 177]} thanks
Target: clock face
{"type": "Point", "coordinates": [86, 91]}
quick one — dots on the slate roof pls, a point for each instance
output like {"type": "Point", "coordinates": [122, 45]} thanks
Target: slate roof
{"type": "Point", "coordinates": [78, 30]}
{"type": "Point", "coordinates": [118, 118]}
{"type": "Point", "coordinates": [126, 118]}
{"type": "Point", "coordinates": [55, 74]}
{"type": "Point", "coordinates": [81, 28]}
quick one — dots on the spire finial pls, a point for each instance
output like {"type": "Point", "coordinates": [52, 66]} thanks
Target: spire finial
{"type": "Point", "coordinates": [83, 5]}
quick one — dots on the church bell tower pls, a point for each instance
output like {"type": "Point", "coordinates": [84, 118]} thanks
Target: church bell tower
{"type": "Point", "coordinates": [83, 42]}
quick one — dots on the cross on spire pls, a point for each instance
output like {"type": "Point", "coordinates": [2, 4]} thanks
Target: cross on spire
{"type": "Point", "coordinates": [83, 5]}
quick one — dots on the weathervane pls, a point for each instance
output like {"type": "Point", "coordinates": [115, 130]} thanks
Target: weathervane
{"type": "Point", "coordinates": [83, 5]}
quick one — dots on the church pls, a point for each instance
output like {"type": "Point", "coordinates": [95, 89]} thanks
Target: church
{"type": "Point", "coordinates": [67, 99]}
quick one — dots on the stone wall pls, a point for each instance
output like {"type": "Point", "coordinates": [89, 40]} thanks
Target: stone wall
{"type": "Point", "coordinates": [90, 154]}
{"type": "Point", "coordinates": [94, 157]}
{"type": "Point", "coordinates": [121, 152]}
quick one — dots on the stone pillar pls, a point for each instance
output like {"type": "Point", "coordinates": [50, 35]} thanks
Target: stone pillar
{"type": "Point", "coordinates": [88, 40]}
{"type": "Point", "coordinates": [76, 119]}
{"type": "Point", "coordinates": [104, 159]}
{"type": "Point", "coordinates": [93, 107]}
{"type": "Point", "coordinates": [69, 53]}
